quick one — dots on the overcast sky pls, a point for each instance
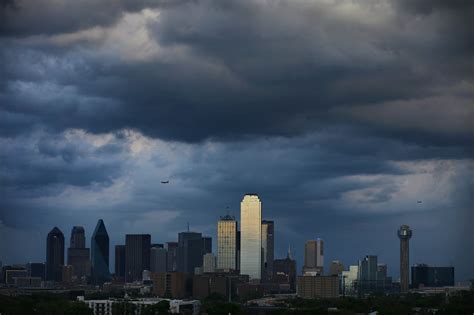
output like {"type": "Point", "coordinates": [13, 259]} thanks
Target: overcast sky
{"type": "Point", "coordinates": [340, 115]}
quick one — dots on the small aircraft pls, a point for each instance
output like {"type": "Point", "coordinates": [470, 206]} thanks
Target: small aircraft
{"type": "Point", "coordinates": [419, 201]}
{"type": "Point", "coordinates": [165, 181]}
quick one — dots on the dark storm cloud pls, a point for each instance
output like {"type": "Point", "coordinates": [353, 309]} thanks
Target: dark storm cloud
{"type": "Point", "coordinates": [278, 67]}
{"type": "Point", "coordinates": [47, 163]}
{"type": "Point", "coordinates": [342, 114]}
{"type": "Point", "coordinates": [33, 17]}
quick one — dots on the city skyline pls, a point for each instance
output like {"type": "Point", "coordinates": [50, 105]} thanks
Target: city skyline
{"type": "Point", "coordinates": [312, 263]}
{"type": "Point", "coordinates": [349, 119]}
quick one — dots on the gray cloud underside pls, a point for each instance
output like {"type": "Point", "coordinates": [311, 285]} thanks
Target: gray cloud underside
{"type": "Point", "coordinates": [340, 113]}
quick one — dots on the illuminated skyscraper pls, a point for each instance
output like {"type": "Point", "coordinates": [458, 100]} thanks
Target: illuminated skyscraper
{"type": "Point", "coordinates": [314, 257]}
{"type": "Point", "coordinates": [54, 255]}
{"type": "Point", "coordinates": [268, 245]}
{"type": "Point", "coordinates": [100, 254]}
{"type": "Point", "coordinates": [227, 243]}
{"type": "Point", "coordinates": [404, 233]}
{"type": "Point", "coordinates": [251, 237]}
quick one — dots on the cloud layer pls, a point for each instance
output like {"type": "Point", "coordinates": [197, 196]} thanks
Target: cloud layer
{"type": "Point", "coordinates": [345, 113]}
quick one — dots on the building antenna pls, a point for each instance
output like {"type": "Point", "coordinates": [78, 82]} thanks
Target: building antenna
{"type": "Point", "coordinates": [188, 226]}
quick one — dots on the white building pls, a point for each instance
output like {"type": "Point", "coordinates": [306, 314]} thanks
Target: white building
{"type": "Point", "coordinates": [105, 307]}
{"type": "Point", "coordinates": [251, 237]}
{"type": "Point", "coordinates": [209, 263]}
{"type": "Point", "coordinates": [349, 277]}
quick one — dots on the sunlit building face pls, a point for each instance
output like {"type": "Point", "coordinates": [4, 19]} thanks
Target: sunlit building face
{"type": "Point", "coordinates": [251, 237]}
{"type": "Point", "coordinates": [227, 243]}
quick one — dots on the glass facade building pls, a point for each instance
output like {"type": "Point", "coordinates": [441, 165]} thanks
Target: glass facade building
{"type": "Point", "coordinates": [227, 243]}
{"type": "Point", "coordinates": [100, 254]}
{"type": "Point", "coordinates": [425, 276]}
{"type": "Point", "coordinates": [251, 237]}
{"type": "Point", "coordinates": [137, 256]}
{"type": "Point", "coordinates": [54, 254]}
{"type": "Point", "coordinates": [268, 245]}
{"type": "Point", "coordinates": [78, 256]}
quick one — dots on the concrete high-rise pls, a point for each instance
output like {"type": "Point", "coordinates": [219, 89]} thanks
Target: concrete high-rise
{"type": "Point", "coordinates": [404, 233]}
{"type": "Point", "coordinates": [314, 257]}
{"type": "Point", "coordinates": [251, 237]}
{"type": "Point", "coordinates": [158, 259]}
{"type": "Point", "coordinates": [172, 263]}
{"type": "Point", "coordinates": [54, 255]}
{"type": "Point", "coordinates": [137, 256]}
{"type": "Point", "coordinates": [209, 263]}
{"type": "Point", "coordinates": [268, 245]}
{"type": "Point", "coordinates": [78, 256]}
{"type": "Point", "coordinates": [336, 268]}
{"type": "Point", "coordinates": [227, 243]}
{"type": "Point", "coordinates": [100, 254]}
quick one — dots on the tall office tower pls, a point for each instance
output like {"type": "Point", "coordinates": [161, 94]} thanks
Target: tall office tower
{"type": "Point", "coordinates": [77, 255]}
{"type": "Point", "coordinates": [336, 268]}
{"type": "Point", "coordinates": [227, 243]}
{"type": "Point", "coordinates": [268, 245]}
{"type": "Point", "coordinates": [158, 259]}
{"type": "Point", "coordinates": [314, 257]}
{"type": "Point", "coordinates": [209, 262]}
{"type": "Point", "coordinates": [120, 261]}
{"type": "Point", "coordinates": [206, 244]}
{"type": "Point", "coordinates": [137, 256]}
{"type": "Point", "coordinates": [172, 263]}
{"type": "Point", "coordinates": [251, 237]}
{"type": "Point", "coordinates": [100, 254]}
{"type": "Point", "coordinates": [78, 238]}
{"type": "Point", "coordinates": [404, 233]}
{"type": "Point", "coordinates": [190, 251]}
{"type": "Point", "coordinates": [54, 255]}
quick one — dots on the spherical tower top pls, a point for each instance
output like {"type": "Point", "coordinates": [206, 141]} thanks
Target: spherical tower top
{"type": "Point", "coordinates": [404, 232]}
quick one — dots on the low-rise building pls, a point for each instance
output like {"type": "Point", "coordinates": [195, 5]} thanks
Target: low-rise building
{"type": "Point", "coordinates": [169, 284]}
{"type": "Point", "coordinates": [106, 307]}
{"type": "Point", "coordinates": [310, 287]}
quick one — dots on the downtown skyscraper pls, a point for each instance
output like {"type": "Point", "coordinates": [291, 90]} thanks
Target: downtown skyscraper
{"type": "Point", "coordinates": [137, 256]}
{"type": "Point", "coordinates": [268, 245]}
{"type": "Point", "coordinates": [54, 255]}
{"type": "Point", "coordinates": [227, 243]}
{"type": "Point", "coordinates": [78, 256]}
{"type": "Point", "coordinates": [190, 251]}
{"type": "Point", "coordinates": [251, 237]}
{"type": "Point", "coordinates": [100, 254]}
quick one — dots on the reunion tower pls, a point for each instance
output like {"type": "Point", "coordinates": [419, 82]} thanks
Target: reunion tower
{"type": "Point", "coordinates": [404, 234]}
